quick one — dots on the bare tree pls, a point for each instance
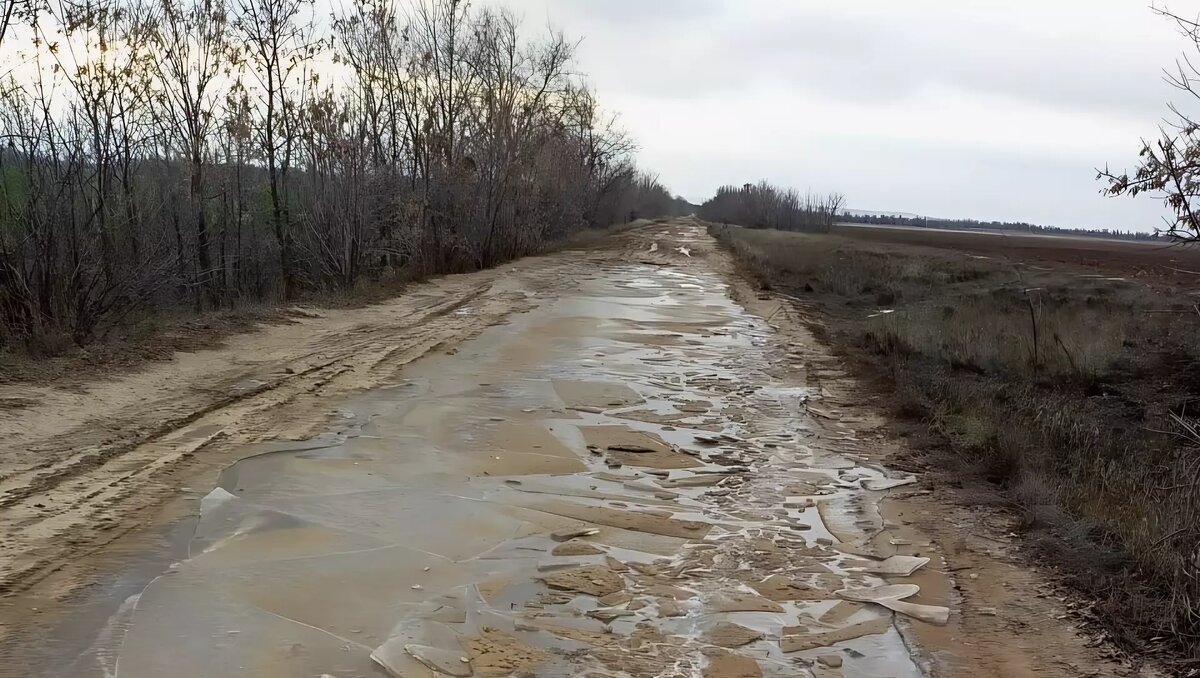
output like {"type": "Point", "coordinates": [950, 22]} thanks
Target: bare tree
{"type": "Point", "coordinates": [185, 152]}
{"type": "Point", "coordinates": [278, 44]}
{"type": "Point", "coordinates": [189, 53]}
{"type": "Point", "coordinates": [764, 205]}
{"type": "Point", "coordinates": [1169, 167]}
{"type": "Point", "coordinates": [8, 13]}
{"type": "Point", "coordinates": [101, 64]}
{"type": "Point", "coordinates": [373, 43]}
{"type": "Point", "coordinates": [17, 12]}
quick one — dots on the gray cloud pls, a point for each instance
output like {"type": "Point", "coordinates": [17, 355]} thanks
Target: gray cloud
{"type": "Point", "coordinates": [640, 15]}
{"type": "Point", "coordinates": [986, 108]}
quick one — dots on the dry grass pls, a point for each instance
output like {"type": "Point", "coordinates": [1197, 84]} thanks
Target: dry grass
{"type": "Point", "coordinates": [56, 359]}
{"type": "Point", "coordinates": [154, 335]}
{"type": "Point", "coordinates": [1073, 393]}
{"type": "Point", "coordinates": [1020, 336]}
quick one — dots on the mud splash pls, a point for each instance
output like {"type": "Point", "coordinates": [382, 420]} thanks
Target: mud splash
{"type": "Point", "coordinates": [610, 484]}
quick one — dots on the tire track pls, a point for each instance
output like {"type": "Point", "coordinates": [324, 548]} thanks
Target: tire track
{"type": "Point", "coordinates": [68, 507]}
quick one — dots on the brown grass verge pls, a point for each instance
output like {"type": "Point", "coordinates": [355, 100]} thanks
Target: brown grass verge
{"type": "Point", "coordinates": [152, 337]}
{"type": "Point", "coordinates": [155, 335]}
{"type": "Point", "coordinates": [1072, 392]}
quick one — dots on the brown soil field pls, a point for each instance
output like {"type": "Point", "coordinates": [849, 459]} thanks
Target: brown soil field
{"type": "Point", "coordinates": [1151, 262]}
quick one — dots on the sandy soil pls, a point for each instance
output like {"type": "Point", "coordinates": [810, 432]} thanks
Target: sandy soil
{"type": "Point", "coordinates": [618, 460]}
{"type": "Point", "coordinates": [80, 466]}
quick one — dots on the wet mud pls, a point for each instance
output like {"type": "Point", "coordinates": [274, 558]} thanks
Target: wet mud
{"type": "Point", "coordinates": [616, 482]}
{"type": "Point", "coordinates": [609, 484]}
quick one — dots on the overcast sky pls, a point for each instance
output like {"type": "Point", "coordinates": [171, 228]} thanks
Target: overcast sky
{"type": "Point", "coordinates": [994, 109]}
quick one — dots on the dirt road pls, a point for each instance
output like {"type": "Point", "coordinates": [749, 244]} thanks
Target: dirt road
{"type": "Point", "coordinates": [608, 462]}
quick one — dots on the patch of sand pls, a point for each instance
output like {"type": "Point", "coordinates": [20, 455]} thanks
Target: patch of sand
{"type": "Point", "coordinates": [493, 653]}
{"type": "Point", "coordinates": [637, 521]}
{"type": "Point", "coordinates": [732, 666]}
{"type": "Point", "coordinates": [595, 394]}
{"type": "Point", "coordinates": [728, 634]}
{"type": "Point", "coordinates": [780, 588]}
{"type": "Point", "coordinates": [592, 580]}
{"type": "Point", "coordinates": [811, 641]}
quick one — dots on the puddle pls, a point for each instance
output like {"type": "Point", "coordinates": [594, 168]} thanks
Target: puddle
{"type": "Point", "coordinates": [420, 530]}
{"type": "Point", "coordinates": [88, 641]}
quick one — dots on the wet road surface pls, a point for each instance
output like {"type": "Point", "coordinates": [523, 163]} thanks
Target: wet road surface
{"type": "Point", "coordinates": [616, 482]}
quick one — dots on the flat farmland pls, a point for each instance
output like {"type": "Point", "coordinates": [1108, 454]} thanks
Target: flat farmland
{"type": "Point", "coordinates": [1151, 261]}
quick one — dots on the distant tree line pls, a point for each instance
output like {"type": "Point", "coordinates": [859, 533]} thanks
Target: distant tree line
{"type": "Point", "coordinates": [764, 205]}
{"type": "Point", "coordinates": [975, 225]}
{"type": "Point", "coordinates": [649, 199]}
{"type": "Point", "coordinates": [682, 207]}
{"type": "Point", "coordinates": [198, 153]}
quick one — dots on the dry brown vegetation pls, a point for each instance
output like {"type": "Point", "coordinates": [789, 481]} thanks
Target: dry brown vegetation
{"type": "Point", "coordinates": [1074, 392]}
{"type": "Point", "coordinates": [175, 155]}
{"type": "Point", "coordinates": [159, 334]}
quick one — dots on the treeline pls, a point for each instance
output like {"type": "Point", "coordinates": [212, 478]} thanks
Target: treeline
{"type": "Point", "coordinates": [975, 225]}
{"type": "Point", "coordinates": [650, 200]}
{"type": "Point", "coordinates": [764, 205]}
{"type": "Point", "coordinates": [206, 152]}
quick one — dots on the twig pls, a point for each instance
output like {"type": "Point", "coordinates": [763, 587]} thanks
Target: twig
{"type": "Point", "coordinates": [1174, 534]}
{"type": "Point", "coordinates": [1190, 428]}
{"type": "Point", "coordinates": [1034, 323]}
{"type": "Point", "coordinates": [1063, 346]}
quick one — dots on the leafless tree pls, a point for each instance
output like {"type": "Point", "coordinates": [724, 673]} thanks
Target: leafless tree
{"type": "Point", "coordinates": [8, 13]}
{"type": "Point", "coordinates": [1169, 167]}
{"type": "Point", "coordinates": [278, 45]}
{"type": "Point", "coordinates": [189, 51]}
{"type": "Point", "coordinates": [764, 205]}
{"type": "Point", "coordinates": [188, 152]}
{"type": "Point", "coordinates": [16, 13]}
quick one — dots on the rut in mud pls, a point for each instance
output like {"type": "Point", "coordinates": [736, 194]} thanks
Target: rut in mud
{"type": "Point", "coordinates": [619, 481]}
{"type": "Point", "coordinates": [610, 483]}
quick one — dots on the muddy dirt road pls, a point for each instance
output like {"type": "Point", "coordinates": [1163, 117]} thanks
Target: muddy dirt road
{"type": "Point", "coordinates": [600, 463]}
